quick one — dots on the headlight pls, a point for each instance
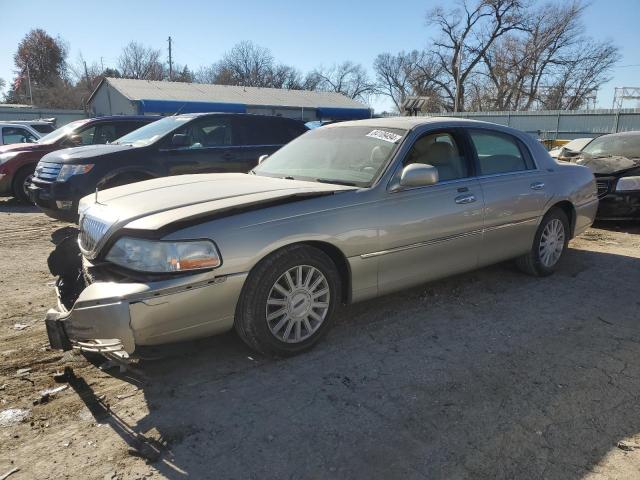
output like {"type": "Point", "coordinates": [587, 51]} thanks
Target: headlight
{"type": "Point", "coordinates": [163, 257]}
{"type": "Point", "coordinates": [5, 157]}
{"type": "Point", "coordinates": [68, 171]}
{"type": "Point", "coordinates": [627, 184]}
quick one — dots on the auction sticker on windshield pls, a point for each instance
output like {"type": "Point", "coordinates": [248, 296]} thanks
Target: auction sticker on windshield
{"type": "Point", "coordinates": [386, 136]}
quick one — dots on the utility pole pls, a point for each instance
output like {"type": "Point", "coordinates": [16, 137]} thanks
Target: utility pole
{"type": "Point", "coordinates": [170, 61]}
{"type": "Point", "coordinates": [86, 75]}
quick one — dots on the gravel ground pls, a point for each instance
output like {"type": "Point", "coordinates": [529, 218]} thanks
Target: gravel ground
{"type": "Point", "coordinates": [487, 375]}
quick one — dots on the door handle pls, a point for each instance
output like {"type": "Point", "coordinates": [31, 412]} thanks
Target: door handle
{"type": "Point", "coordinates": [537, 186]}
{"type": "Point", "coordinates": [462, 199]}
{"type": "Point", "coordinates": [228, 155]}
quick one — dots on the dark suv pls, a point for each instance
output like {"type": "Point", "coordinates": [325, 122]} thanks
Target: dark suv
{"type": "Point", "coordinates": [18, 161]}
{"type": "Point", "coordinates": [189, 143]}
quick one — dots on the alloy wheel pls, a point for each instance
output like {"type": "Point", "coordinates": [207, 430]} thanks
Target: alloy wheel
{"type": "Point", "coordinates": [297, 304]}
{"type": "Point", "coordinates": [551, 243]}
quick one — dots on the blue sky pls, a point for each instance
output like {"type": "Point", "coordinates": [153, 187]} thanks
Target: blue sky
{"type": "Point", "coordinates": [303, 34]}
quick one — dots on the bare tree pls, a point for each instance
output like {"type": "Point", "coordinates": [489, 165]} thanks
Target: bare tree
{"type": "Point", "coordinates": [413, 73]}
{"type": "Point", "coordinates": [550, 63]}
{"type": "Point", "coordinates": [250, 65]}
{"type": "Point", "coordinates": [467, 33]}
{"type": "Point", "coordinates": [350, 79]}
{"type": "Point", "coordinates": [140, 62]}
{"type": "Point", "coordinates": [245, 64]}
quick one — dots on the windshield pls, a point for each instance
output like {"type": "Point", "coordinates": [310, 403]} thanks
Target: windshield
{"type": "Point", "coordinates": [343, 155]}
{"type": "Point", "coordinates": [615, 145]}
{"type": "Point", "coordinates": [61, 132]}
{"type": "Point", "coordinates": [151, 132]}
{"type": "Point", "coordinates": [577, 144]}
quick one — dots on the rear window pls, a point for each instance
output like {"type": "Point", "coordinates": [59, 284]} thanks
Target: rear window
{"type": "Point", "coordinates": [269, 131]}
{"type": "Point", "coordinates": [42, 127]}
{"type": "Point", "coordinates": [498, 152]}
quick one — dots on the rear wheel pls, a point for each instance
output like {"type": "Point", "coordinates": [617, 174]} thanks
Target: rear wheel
{"type": "Point", "coordinates": [21, 183]}
{"type": "Point", "coordinates": [288, 301]}
{"type": "Point", "coordinates": [549, 244]}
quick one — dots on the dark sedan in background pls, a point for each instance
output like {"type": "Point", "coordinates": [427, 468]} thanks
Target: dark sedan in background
{"type": "Point", "coordinates": [18, 161]}
{"type": "Point", "coordinates": [615, 162]}
{"type": "Point", "coordinates": [189, 143]}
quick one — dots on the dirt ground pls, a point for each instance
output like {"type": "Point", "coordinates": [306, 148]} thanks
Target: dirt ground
{"type": "Point", "coordinates": [487, 375]}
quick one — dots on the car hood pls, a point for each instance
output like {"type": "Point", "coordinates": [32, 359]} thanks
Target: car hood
{"type": "Point", "coordinates": [79, 154]}
{"type": "Point", "coordinates": [152, 204]}
{"type": "Point", "coordinates": [24, 147]}
{"type": "Point", "coordinates": [607, 165]}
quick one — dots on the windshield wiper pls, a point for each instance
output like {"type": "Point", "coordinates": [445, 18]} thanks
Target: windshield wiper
{"type": "Point", "coordinates": [336, 182]}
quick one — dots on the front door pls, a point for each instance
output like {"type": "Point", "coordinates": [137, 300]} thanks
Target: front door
{"type": "Point", "coordinates": [432, 231]}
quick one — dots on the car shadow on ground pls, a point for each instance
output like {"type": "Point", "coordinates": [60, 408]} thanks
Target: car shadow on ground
{"type": "Point", "coordinates": [11, 205]}
{"type": "Point", "coordinates": [491, 374]}
{"type": "Point", "coordinates": [618, 226]}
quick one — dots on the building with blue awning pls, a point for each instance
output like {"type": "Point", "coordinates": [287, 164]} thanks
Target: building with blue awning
{"type": "Point", "coordinates": [121, 96]}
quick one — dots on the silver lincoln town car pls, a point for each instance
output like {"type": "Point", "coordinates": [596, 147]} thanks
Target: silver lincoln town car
{"type": "Point", "coordinates": [344, 213]}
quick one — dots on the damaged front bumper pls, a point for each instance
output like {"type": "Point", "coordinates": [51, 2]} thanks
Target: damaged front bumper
{"type": "Point", "coordinates": [113, 317]}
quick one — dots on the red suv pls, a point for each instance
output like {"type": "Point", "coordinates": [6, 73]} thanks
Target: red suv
{"type": "Point", "coordinates": [18, 161]}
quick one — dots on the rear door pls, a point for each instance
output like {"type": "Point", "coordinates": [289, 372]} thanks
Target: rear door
{"type": "Point", "coordinates": [432, 231]}
{"type": "Point", "coordinates": [514, 192]}
{"type": "Point", "coordinates": [212, 147]}
{"type": "Point", "coordinates": [258, 136]}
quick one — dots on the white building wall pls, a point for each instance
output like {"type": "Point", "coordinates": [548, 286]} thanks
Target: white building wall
{"type": "Point", "coordinates": [109, 101]}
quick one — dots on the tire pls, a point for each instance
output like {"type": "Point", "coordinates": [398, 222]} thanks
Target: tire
{"type": "Point", "coordinates": [282, 321]}
{"type": "Point", "coordinates": [19, 184]}
{"type": "Point", "coordinates": [542, 260]}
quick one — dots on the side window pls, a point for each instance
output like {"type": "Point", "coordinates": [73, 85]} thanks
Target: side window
{"type": "Point", "coordinates": [288, 131]}
{"type": "Point", "coordinates": [85, 136]}
{"type": "Point", "coordinates": [441, 151]}
{"type": "Point", "coordinates": [208, 132]}
{"type": "Point", "coordinates": [17, 135]}
{"type": "Point", "coordinates": [104, 133]}
{"type": "Point", "coordinates": [122, 128]}
{"type": "Point", "coordinates": [260, 131]}
{"type": "Point", "coordinates": [497, 152]}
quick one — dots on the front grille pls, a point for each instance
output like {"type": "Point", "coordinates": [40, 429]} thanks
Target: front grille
{"type": "Point", "coordinates": [91, 232]}
{"type": "Point", "coordinates": [604, 186]}
{"type": "Point", "coordinates": [47, 171]}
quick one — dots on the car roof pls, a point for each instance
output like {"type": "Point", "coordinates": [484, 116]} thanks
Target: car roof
{"type": "Point", "coordinates": [409, 123]}
{"type": "Point", "coordinates": [123, 118]}
{"type": "Point", "coordinates": [239, 115]}
{"type": "Point", "coordinates": [11, 124]}
{"type": "Point", "coordinates": [621, 134]}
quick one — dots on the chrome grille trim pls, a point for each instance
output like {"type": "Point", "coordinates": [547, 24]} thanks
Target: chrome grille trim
{"type": "Point", "coordinates": [603, 186]}
{"type": "Point", "coordinates": [92, 230]}
{"type": "Point", "coordinates": [47, 171]}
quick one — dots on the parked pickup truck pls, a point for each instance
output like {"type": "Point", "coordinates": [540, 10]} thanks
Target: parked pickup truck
{"type": "Point", "coordinates": [18, 161]}
{"type": "Point", "coordinates": [189, 143]}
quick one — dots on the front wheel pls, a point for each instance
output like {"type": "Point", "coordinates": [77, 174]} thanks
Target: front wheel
{"type": "Point", "coordinates": [288, 301]}
{"type": "Point", "coordinates": [21, 184]}
{"type": "Point", "coordinates": [550, 242]}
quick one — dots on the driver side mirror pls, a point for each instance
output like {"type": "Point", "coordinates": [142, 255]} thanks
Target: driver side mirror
{"type": "Point", "coordinates": [181, 140]}
{"type": "Point", "coordinates": [418, 175]}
